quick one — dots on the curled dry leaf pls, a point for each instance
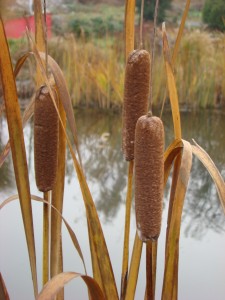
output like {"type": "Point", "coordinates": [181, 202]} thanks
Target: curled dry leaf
{"type": "Point", "coordinates": [182, 169]}
{"type": "Point", "coordinates": [53, 286]}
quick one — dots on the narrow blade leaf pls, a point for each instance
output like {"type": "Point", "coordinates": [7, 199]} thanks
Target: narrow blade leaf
{"type": "Point", "coordinates": [18, 148]}
{"type": "Point", "coordinates": [134, 268]}
{"type": "Point", "coordinates": [57, 201]}
{"type": "Point", "coordinates": [40, 38]}
{"type": "Point", "coordinates": [180, 32]}
{"type": "Point", "coordinates": [170, 154]}
{"type": "Point", "coordinates": [129, 26]}
{"type": "Point", "coordinates": [127, 231]}
{"type": "Point", "coordinates": [171, 87]}
{"type": "Point", "coordinates": [182, 168]}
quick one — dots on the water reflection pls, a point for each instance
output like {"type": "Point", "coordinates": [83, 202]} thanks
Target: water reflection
{"type": "Point", "coordinates": [6, 172]}
{"type": "Point", "coordinates": [106, 170]}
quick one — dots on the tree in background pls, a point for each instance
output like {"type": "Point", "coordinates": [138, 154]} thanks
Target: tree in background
{"type": "Point", "coordinates": [150, 7]}
{"type": "Point", "coordinates": [214, 14]}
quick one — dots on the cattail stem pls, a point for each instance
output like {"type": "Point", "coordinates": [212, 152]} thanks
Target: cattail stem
{"type": "Point", "coordinates": [127, 232]}
{"type": "Point", "coordinates": [141, 24]}
{"type": "Point", "coordinates": [151, 259]}
{"type": "Point", "coordinates": [46, 239]}
{"type": "Point", "coordinates": [153, 53]}
{"type": "Point", "coordinates": [46, 39]}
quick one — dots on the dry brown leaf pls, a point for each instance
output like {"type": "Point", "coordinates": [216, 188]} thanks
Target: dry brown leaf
{"type": "Point", "coordinates": [18, 148]}
{"type": "Point", "coordinates": [213, 171]}
{"type": "Point", "coordinates": [171, 87]}
{"type": "Point", "coordinates": [181, 176]}
{"type": "Point", "coordinates": [51, 288]}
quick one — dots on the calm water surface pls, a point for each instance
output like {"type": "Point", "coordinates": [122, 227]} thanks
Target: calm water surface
{"type": "Point", "coordinates": [202, 244]}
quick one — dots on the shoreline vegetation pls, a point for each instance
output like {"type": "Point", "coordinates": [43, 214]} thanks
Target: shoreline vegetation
{"type": "Point", "coordinates": [91, 55]}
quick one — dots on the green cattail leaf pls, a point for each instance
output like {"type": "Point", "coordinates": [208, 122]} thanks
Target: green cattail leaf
{"type": "Point", "coordinates": [129, 26]}
{"type": "Point", "coordinates": [51, 289]}
{"type": "Point", "coordinates": [213, 171]}
{"type": "Point", "coordinates": [18, 148]}
{"type": "Point", "coordinates": [182, 168]}
{"type": "Point", "coordinates": [171, 87]}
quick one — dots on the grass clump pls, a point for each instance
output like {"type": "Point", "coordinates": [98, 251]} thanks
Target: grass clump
{"type": "Point", "coordinates": [214, 14]}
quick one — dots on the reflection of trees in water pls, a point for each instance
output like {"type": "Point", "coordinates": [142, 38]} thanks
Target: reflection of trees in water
{"type": "Point", "coordinates": [107, 170]}
{"type": "Point", "coordinates": [100, 145]}
{"type": "Point", "coordinates": [6, 172]}
{"type": "Point", "coordinates": [202, 209]}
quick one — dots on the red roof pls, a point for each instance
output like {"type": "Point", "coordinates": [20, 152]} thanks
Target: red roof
{"type": "Point", "coordinates": [16, 28]}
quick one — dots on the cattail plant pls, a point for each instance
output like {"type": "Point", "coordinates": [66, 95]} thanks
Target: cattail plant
{"type": "Point", "coordinates": [46, 131]}
{"type": "Point", "coordinates": [136, 94]}
{"type": "Point", "coordinates": [149, 174]}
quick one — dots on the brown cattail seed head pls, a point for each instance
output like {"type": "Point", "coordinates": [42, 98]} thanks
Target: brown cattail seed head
{"type": "Point", "coordinates": [136, 95]}
{"type": "Point", "coordinates": [149, 176]}
{"type": "Point", "coordinates": [46, 135]}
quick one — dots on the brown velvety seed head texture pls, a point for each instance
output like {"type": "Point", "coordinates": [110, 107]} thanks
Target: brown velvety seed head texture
{"type": "Point", "coordinates": [149, 176]}
{"type": "Point", "coordinates": [136, 96]}
{"type": "Point", "coordinates": [46, 135]}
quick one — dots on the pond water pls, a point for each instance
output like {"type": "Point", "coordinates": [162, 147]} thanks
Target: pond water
{"type": "Point", "coordinates": [202, 243]}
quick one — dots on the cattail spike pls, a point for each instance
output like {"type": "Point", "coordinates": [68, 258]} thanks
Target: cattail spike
{"type": "Point", "coordinates": [149, 173]}
{"type": "Point", "coordinates": [46, 132]}
{"type": "Point", "coordinates": [136, 94]}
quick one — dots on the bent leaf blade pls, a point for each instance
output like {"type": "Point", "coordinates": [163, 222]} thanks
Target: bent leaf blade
{"type": "Point", "coordinates": [18, 148]}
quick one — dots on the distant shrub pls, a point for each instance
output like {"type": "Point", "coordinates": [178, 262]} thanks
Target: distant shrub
{"type": "Point", "coordinates": [214, 14]}
{"type": "Point", "coordinates": [96, 26]}
{"type": "Point", "coordinates": [149, 9]}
